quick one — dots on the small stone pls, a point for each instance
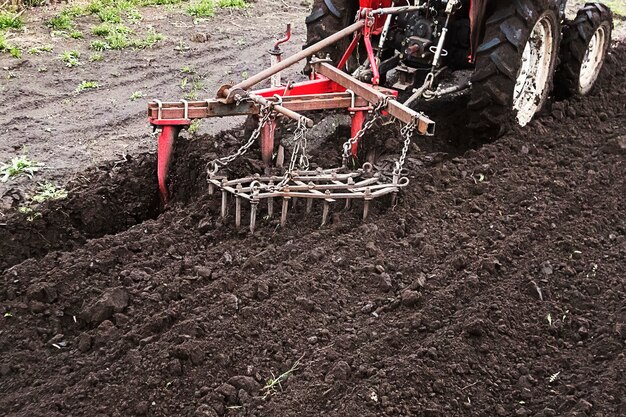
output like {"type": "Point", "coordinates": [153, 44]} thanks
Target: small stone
{"type": "Point", "coordinates": [262, 291]}
{"type": "Point", "coordinates": [203, 271]}
{"type": "Point", "coordinates": [409, 298]}
{"type": "Point", "coordinates": [84, 342]}
{"type": "Point", "coordinates": [175, 367]}
{"type": "Point", "coordinates": [368, 308]}
{"type": "Point", "coordinates": [199, 37]}
{"type": "Point", "coordinates": [312, 340]}
{"type": "Point", "coordinates": [385, 283]}
{"type": "Point", "coordinates": [380, 269]}
{"type": "Point", "coordinates": [246, 383]}
{"type": "Point", "coordinates": [229, 392]}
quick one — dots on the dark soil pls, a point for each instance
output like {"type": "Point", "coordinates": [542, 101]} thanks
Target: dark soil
{"type": "Point", "coordinates": [496, 287]}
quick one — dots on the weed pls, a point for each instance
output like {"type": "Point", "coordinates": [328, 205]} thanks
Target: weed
{"type": "Point", "coordinates": [70, 58]}
{"type": "Point", "coordinates": [118, 40]}
{"type": "Point", "coordinates": [9, 20]}
{"type": "Point", "coordinates": [188, 70]}
{"type": "Point", "coordinates": [202, 9]}
{"type": "Point", "coordinates": [182, 47]}
{"type": "Point", "coordinates": [96, 57]}
{"type": "Point", "coordinates": [76, 34]}
{"type": "Point", "coordinates": [98, 45]}
{"type": "Point", "coordinates": [31, 214]}
{"type": "Point", "coordinates": [194, 126]}
{"type": "Point", "coordinates": [134, 16]}
{"type": "Point", "coordinates": [48, 191]}
{"type": "Point", "coordinates": [15, 52]}
{"type": "Point", "coordinates": [87, 85]}
{"type": "Point", "coordinates": [191, 95]}
{"type": "Point", "coordinates": [149, 41]}
{"type": "Point", "coordinates": [40, 49]}
{"type": "Point", "coordinates": [61, 22]}
{"type": "Point", "coordinates": [233, 4]}
{"type": "Point", "coordinates": [183, 83]}
{"type": "Point", "coordinates": [19, 165]}
{"type": "Point", "coordinates": [136, 96]}
{"type": "Point", "coordinates": [5, 46]}
{"type": "Point", "coordinates": [273, 383]}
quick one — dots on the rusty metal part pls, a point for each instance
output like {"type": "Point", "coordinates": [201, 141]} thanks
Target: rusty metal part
{"type": "Point", "coordinates": [425, 126]}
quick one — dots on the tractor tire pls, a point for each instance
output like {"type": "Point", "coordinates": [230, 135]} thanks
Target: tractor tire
{"type": "Point", "coordinates": [515, 65]}
{"type": "Point", "coordinates": [586, 40]}
{"type": "Point", "coordinates": [327, 18]}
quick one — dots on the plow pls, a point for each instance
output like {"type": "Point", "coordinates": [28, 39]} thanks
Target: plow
{"type": "Point", "coordinates": [378, 60]}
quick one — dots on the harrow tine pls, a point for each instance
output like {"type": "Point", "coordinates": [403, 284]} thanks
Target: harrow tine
{"type": "Point", "coordinates": [253, 208]}
{"type": "Point", "coordinates": [270, 202]}
{"type": "Point", "coordinates": [309, 205]}
{"type": "Point", "coordinates": [283, 215]}
{"type": "Point", "coordinates": [366, 203]}
{"type": "Point", "coordinates": [224, 204]}
{"type": "Point", "coordinates": [326, 209]}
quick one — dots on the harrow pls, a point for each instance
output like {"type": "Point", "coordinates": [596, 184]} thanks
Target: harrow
{"type": "Point", "coordinates": [510, 48]}
{"type": "Point", "coordinates": [328, 88]}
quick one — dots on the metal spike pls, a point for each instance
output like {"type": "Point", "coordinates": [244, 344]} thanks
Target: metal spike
{"type": "Point", "coordinates": [211, 188]}
{"type": "Point", "coordinates": [309, 205]}
{"type": "Point", "coordinates": [238, 206]}
{"type": "Point", "coordinates": [283, 215]}
{"type": "Point", "coordinates": [293, 204]}
{"type": "Point", "coordinates": [253, 208]}
{"type": "Point", "coordinates": [326, 209]}
{"type": "Point", "coordinates": [348, 204]}
{"type": "Point", "coordinates": [270, 202]}
{"type": "Point", "coordinates": [224, 204]}
{"type": "Point", "coordinates": [366, 202]}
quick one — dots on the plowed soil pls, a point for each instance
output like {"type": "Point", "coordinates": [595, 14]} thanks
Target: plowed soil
{"type": "Point", "coordinates": [495, 287]}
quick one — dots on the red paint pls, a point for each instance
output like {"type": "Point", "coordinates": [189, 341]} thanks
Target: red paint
{"type": "Point", "coordinates": [164, 154]}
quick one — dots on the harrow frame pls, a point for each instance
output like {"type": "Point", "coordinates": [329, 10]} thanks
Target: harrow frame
{"type": "Point", "coordinates": [329, 87]}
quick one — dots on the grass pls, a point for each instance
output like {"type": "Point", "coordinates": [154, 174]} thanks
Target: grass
{"type": "Point", "coordinates": [194, 126]}
{"type": "Point", "coordinates": [18, 166]}
{"type": "Point", "coordinates": [202, 9]}
{"type": "Point", "coordinates": [87, 85]}
{"type": "Point", "coordinates": [233, 4]}
{"type": "Point", "coordinates": [617, 6]}
{"type": "Point", "coordinates": [71, 58]}
{"type": "Point", "coordinates": [9, 48]}
{"type": "Point", "coordinates": [76, 34]}
{"type": "Point", "coordinates": [98, 45]}
{"type": "Point", "coordinates": [9, 20]}
{"type": "Point", "coordinates": [40, 49]}
{"type": "Point", "coordinates": [47, 191]}
{"type": "Point", "coordinates": [187, 69]}
{"type": "Point", "coordinates": [136, 96]}
{"type": "Point", "coordinates": [96, 57]}
{"type": "Point", "coordinates": [274, 383]}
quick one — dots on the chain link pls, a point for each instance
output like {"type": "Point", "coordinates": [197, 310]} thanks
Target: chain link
{"type": "Point", "coordinates": [216, 164]}
{"type": "Point", "coordinates": [378, 113]}
{"type": "Point", "coordinates": [407, 132]}
{"type": "Point", "coordinates": [298, 153]}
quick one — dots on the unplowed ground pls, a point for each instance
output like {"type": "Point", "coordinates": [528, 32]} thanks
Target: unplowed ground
{"type": "Point", "coordinates": [495, 287]}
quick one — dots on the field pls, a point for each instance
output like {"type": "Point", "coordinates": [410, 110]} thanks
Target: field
{"type": "Point", "coordinates": [495, 287]}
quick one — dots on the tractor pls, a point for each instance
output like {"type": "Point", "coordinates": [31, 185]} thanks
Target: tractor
{"type": "Point", "coordinates": [380, 60]}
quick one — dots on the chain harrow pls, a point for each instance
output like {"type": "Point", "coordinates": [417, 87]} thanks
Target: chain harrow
{"type": "Point", "coordinates": [298, 181]}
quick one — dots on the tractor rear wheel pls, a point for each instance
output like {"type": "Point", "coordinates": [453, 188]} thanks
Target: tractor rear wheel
{"type": "Point", "coordinates": [327, 18]}
{"type": "Point", "coordinates": [515, 65]}
{"type": "Point", "coordinates": [586, 40]}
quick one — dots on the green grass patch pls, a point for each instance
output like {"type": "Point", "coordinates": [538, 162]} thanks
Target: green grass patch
{"type": "Point", "coordinates": [10, 20]}
{"type": "Point", "coordinates": [96, 57]}
{"type": "Point", "coordinates": [40, 49]}
{"type": "Point", "coordinates": [18, 166]}
{"type": "Point", "coordinates": [202, 9]}
{"type": "Point", "coordinates": [6, 47]}
{"type": "Point", "coordinates": [47, 191]}
{"type": "Point", "coordinates": [76, 34]}
{"type": "Point", "coordinates": [70, 58]}
{"type": "Point", "coordinates": [151, 39]}
{"type": "Point", "coordinates": [233, 4]}
{"type": "Point", "coordinates": [87, 85]}
{"type": "Point", "coordinates": [98, 45]}
{"type": "Point", "coordinates": [136, 96]}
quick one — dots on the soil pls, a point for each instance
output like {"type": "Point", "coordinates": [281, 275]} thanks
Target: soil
{"type": "Point", "coordinates": [495, 287]}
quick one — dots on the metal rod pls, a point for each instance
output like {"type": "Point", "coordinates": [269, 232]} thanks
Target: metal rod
{"type": "Point", "coordinates": [309, 205]}
{"type": "Point", "coordinates": [325, 212]}
{"type": "Point", "coordinates": [253, 208]}
{"type": "Point", "coordinates": [283, 215]}
{"type": "Point", "coordinates": [396, 10]}
{"type": "Point", "coordinates": [263, 75]}
{"type": "Point", "coordinates": [237, 211]}
{"type": "Point", "coordinates": [282, 110]}
{"type": "Point", "coordinates": [224, 203]}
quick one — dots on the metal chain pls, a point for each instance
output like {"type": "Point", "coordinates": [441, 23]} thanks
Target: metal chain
{"type": "Point", "coordinates": [407, 132]}
{"type": "Point", "coordinates": [299, 152]}
{"type": "Point", "coordinates": [347, 146]}
{"type": "Point", "coordinates": [216, 164]}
